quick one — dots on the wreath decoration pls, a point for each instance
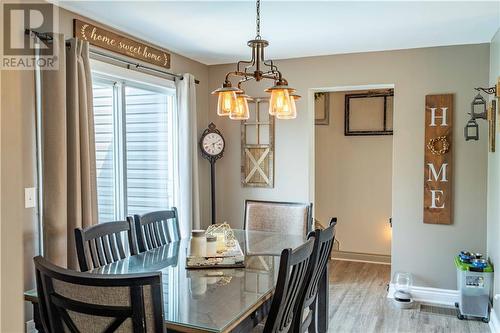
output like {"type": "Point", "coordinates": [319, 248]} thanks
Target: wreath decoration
{"type": "Point", "coordinates": [83, 32]}
{"type": "Point", "coordinates": [445, 145]}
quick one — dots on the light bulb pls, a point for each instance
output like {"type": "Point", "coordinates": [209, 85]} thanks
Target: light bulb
{"type": "Point", "coordinates": [292, 114]}
{"type": "Point", "coordinates": [226, 103]}
{"type": "Point", "coordinates": [279, 102]}
{"type": "Point", "coordinates": [241, 111]}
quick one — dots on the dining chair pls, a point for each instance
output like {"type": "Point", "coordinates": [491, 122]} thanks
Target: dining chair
{"type": "Point", "coordinates": [305, 318]}
{"type": "Point", "coordinates": [291, 277]}
{"type": "Point", "coordinates": [156, 229]}
{"type": "Point", "coordinates": [283, 217]}
{"type": "Point", "coordinates": [102, 244]}
{"type": "Point", "coordinates": [71, 301]}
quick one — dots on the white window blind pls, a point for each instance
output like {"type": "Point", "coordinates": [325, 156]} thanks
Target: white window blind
{"type": "Point", "coordinates": [104, 108]}
{"type": "Point", "coordinates": [133, 132]}
{"type": "Point", "coordinates": [149, 186]}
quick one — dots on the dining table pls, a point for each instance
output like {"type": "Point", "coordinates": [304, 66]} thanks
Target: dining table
{"type": "Point", "coordinates": [214, 299]}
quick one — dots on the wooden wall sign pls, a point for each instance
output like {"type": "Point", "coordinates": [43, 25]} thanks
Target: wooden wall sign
{"type": "Point", "coordinates": [438, 177]}
{"type": "Point", "coordinates": [113, 42]}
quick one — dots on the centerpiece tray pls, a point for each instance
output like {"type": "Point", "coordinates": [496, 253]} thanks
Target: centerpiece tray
{"type": "Point", "coordinates": [232, 257]}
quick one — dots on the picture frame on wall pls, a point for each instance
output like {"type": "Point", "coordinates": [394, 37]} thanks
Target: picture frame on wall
{"type": "Point", "coordinates": [369, 113]}
{"type": "Point", "coordinates": [322, 108]}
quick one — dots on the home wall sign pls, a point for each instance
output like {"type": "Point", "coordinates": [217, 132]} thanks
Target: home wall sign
{"type": "Point", "coordinates": [438, 177]}
{"type": "Point", "coordinates": [257, 146]}
{"type": "Point", "coordinates": [114, 42]}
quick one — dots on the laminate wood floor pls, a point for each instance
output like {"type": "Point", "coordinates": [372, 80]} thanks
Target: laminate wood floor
{"type": "Point", "coordinates": [358, 303]}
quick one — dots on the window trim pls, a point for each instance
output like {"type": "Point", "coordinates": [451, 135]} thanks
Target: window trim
{"type": "Point", "coordinates": [115, 72]}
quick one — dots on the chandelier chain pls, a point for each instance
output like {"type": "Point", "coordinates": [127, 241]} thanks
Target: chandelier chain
{"type": "Point", "coordinates": [257, 21]}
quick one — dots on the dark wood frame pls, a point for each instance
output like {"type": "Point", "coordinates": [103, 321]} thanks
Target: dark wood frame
{"type": "Point", "coordinates": [53, 307]}
{"type": "Point", "coordinates": [300, 204]}
{"type": "Point", "coordinates": [97, 243]}
{"type": "Point", "coordinates": [291, 278]}
{"type": "Point", "coordinates": [148, 232]}
{"type": "Point", "coordinates": [348, 97]}
{"type": "Point", "coordinates": [323, 244]}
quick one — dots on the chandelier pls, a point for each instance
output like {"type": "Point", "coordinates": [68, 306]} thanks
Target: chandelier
{"type": "Point", "coordinates": [233, 102]}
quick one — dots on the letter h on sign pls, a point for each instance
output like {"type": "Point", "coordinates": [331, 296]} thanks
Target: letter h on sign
{"type": "Point", "coordinates": [438, 159]}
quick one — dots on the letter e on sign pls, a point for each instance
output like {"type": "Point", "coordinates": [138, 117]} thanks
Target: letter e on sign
{"type": "Point", "coordinates": [438, 159]}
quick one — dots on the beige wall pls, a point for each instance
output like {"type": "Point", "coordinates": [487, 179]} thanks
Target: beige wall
{"type": "Point", "coordinates": [494, 180]}
{"type": "Point", "coordinates": [353, 176]}
{"type": "Point", "coordinates": [17, 172]}
{"type": "Point", "coordinates": [422, 249]}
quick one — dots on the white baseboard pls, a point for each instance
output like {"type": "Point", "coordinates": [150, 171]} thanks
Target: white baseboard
{"type": "Point", "coordinates": [430, 295]}
{"type": "Point", "coordinates": [364, 261]}
{"type": "Point", "coordinates": [494, 322]}
{"type": "Point", "coordinates": [361, 257]}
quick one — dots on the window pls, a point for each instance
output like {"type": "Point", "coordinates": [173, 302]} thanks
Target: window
{"type": "Point", "coordinates": [134, 146]}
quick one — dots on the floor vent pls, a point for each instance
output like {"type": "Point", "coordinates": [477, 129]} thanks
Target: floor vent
{"type": "Point", "coordinates": [438, 310]}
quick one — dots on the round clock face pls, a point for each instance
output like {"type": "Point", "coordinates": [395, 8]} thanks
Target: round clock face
{"type": "Point", "coordinates": [213, 144]}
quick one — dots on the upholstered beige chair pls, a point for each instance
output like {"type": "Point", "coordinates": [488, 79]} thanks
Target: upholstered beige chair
{"type": "Point", "coordinates": [283, 217]}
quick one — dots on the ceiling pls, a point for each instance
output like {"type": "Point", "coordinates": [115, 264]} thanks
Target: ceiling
{"type": "Point", "coordinates": [215, 32]}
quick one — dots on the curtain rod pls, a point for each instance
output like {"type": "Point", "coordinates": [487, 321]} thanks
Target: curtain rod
{"type": "Point", "coordinates": [48, 37]}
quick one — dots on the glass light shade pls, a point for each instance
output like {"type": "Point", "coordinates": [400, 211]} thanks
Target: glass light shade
{"type": "Point", "coordinates": [279, 102]}
{"type": "Point", "coordinates": [293, 109]}
{"type": "Point", "coordinates": [226, 103]}
{"type": "Point", "coordinates": [241, 111]}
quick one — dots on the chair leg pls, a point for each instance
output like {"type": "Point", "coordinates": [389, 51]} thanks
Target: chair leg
{"type": "Point", "coordinates": [322, 302]}
{"type": "Point", "coordinates": [313, 326]}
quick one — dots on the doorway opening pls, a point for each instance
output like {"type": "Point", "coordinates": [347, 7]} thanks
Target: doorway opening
{"type": "Point", "coordinates": [353, 145]}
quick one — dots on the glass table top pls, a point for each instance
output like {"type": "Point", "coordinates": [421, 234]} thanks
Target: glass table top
{"type": "Point", "coordinates": [213, 299]}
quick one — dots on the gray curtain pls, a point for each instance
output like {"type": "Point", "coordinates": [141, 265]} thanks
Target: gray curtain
{"type": "Point", "coordinates": [68, 151]}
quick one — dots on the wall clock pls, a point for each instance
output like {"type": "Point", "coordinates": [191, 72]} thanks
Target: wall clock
{"type": "Point", "coordinates": [212, 146]}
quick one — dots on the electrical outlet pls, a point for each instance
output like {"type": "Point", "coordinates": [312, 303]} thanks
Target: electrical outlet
{"type": "Point", "coordinates": [29, 197]}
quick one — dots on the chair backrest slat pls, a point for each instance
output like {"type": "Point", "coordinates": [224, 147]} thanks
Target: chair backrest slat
{"type": "Point", "coordinates": [93, 252]}
{"type": "Point", "coordinates": [290, 284]}
{"type": "Point", "coordinates": [156, 229]}
{"type": "Point", "coordinates": [114, 247]}
{"type": "Point", "coordinates": [83, 302]}
{"type": "Point", "coordinates": [102, 244]}
{"type": "Point", "coordinates": [323, 245]}
{"type": "Point", "coordinates": [107, 249]}
{"type": "Point", "coordinates": [119, 244]}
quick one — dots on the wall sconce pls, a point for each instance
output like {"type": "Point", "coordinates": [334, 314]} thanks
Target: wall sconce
{"type": "Point", "coordinates": [479, 111]}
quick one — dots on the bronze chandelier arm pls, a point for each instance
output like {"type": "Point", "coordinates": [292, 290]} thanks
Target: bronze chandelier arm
{"type": "Point", "coordinates": [245, 79]}
{"type": "Point", "coordinates": [270, 63]}
{"type": "Point", "coordinates": [249, 62]}
{"type": "Point", "coordinates": [237, 73]}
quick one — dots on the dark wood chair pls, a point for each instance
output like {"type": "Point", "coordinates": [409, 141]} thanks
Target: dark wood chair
{"type": "Point", "coordinates": [76, 302]}
{"type": "Point", "coordinates": [305, 318]}
{"type": "Point", "coordinates": [284, 217]}
{"type": "Point", "coordinates": [156, 229]}
{"type": "Point", "coordinates": [291, 277]}
{"type": "Point", "coordinates": [102, 244]}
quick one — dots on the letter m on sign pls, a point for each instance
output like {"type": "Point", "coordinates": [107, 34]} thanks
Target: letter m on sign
{"type": "Point", "coordinates": [438, 164]}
